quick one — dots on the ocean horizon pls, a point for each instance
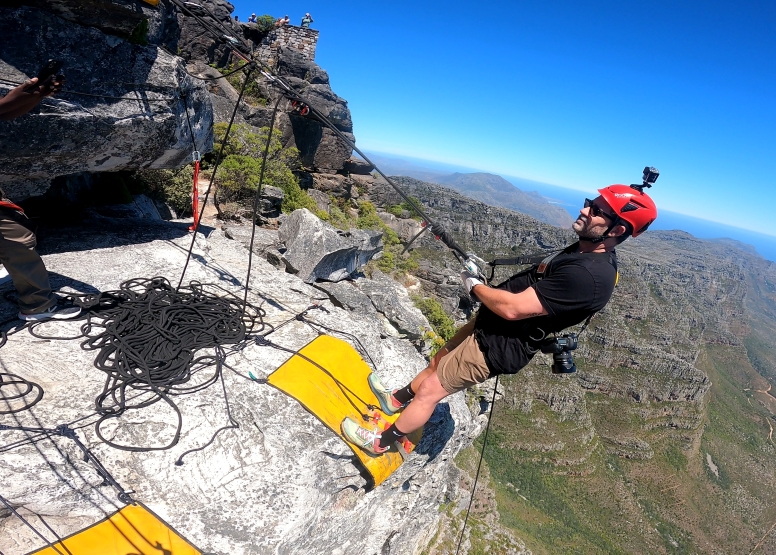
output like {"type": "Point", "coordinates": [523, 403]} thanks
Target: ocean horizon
{"type": "Point", "coordinates": [571, 200]}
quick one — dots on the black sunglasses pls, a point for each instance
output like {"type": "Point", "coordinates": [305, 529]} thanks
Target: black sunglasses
{"type": "Point", "coordinates": [595, 210]}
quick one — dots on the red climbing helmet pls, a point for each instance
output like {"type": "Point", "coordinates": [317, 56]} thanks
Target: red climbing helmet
{"type": "Point", "coordinates": [631, 204]}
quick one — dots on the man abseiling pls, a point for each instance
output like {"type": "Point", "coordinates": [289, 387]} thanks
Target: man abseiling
{"type": "Point", "coordinates": [517, 315]}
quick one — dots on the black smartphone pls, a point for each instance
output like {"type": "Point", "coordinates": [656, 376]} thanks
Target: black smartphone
{"type": "Point", "coordinates": [48, 69]}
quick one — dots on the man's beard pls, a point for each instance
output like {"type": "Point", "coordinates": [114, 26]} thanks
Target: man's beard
{"type": "Point", "coordinates": [582, 229]}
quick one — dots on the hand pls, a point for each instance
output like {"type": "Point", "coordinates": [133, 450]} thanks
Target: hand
{"type": "Point", "coordinates": [26, 96]}
{"type": "Point", "coordinates": [469, 281]}
{"type": "Point", "coordinates": [437, 230]}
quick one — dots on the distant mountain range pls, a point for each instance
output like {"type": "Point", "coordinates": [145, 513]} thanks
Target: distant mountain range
{"type": "Point", "coordinates": [485, 187]}
{"type": "Point", "coordinates": [497, 191]}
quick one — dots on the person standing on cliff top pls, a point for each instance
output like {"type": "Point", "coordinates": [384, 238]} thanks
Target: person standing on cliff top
{"type": "Point", "coordinates": [306, 20]}
{"type": "Point", "coordinates": [17, 240]}
{"type": "Point", "coordinates": [252, 18]}
{"type": "Point", "coordinates": [517, 315]}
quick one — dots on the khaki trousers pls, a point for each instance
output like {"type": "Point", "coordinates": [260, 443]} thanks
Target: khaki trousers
{"type": "Point", "coordinates": [24, 265]}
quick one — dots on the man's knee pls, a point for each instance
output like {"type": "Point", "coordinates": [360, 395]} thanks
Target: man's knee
{"type": "Point", "coordinates": [431, 389]}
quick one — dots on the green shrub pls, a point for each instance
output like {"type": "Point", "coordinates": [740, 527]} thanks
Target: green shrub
{"type": "Point", "coordinates": [140, 33]}
{"type": "Point", "coordinates": [265, 23]}
{"type": "Point", "coordinates": [368, 218]}
{"type": "Point", "coordinates": [239, 172]}
{"type": "Point", "coordinates": [171, 187]}
{"type": "Point", "coordinates": [442, 323]}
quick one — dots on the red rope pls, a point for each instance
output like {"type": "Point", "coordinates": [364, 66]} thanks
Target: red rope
{"type": "Point", "coordinates": [195, 197]}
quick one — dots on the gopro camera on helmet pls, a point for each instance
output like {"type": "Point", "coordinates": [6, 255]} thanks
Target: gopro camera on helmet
{"type": "Point", "coordinates": [560, 348]}
{"type": "Point", "coordinates": [650, 176]}
{"type": "Point", "coordinates": [648, 179]}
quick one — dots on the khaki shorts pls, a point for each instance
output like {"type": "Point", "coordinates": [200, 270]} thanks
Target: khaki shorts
{"type": "Point", "coordinates": [463, 367]}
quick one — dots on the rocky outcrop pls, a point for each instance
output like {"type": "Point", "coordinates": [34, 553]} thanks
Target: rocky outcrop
{"type": "Point", "coordinates": [393, 301]}
{"type": "Point", "coordinates": [123, 108]}
{"type": "Point", "coordinates": [316, 251]}
{"type": "Point", "coordinates": [319, 147]}
{"type": "Point", "coordinates": [279, 482]}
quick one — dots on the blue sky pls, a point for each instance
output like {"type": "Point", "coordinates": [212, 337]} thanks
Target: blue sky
{"type": "Point", "coordinates": [575, 94]}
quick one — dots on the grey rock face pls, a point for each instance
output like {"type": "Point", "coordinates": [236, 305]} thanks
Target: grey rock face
{"type": "Point", "coordinates": [316, 250]}
{"type": "Point", "coordinates": [320, 149]}
{"type": "Point", "coordinates": [405, 228]}
{"type": "Point", "coordinates": [393, 301]}
{"type": "Point", "coordinates": [279, 483]}
{"type": "Point", "coordinates": [270, 201]}
{"type": "Point", "coordinates": [123, 107]}
{"type": "Point", "coordinates": [358, 166]}
{"type": "Point", "coordinates": [348, 295]}
{"type": "Point", "coordinates": [334, 184]}
{"type": "Point", "coordinates": [322, 200]}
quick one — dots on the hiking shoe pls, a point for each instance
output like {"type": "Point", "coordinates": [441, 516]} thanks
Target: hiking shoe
{"type": "Point", "coordinates": [56, 312]}
{"type": "Point", "coordinates": [383, 395]}
{"type": "Point", "coordinates": [368, 440]}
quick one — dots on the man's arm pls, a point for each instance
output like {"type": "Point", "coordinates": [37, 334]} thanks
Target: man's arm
{"type": "Point", "coordinates": [510, 306]}
{"type": "Point", "coordinates": [26, 96]}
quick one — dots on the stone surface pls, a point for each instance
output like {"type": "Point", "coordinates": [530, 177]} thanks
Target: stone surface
{"type": "Point", "coordinates": [358, 166]}
{"type": "Point", "coordinates": [405, 228]}
{"type": "Point", "coordinates": [320, 149]}
{"type": "Point", "coordinates": [279, 483]}
{"type": "Point", "coordinates": [393, 301]}
{"type": "Point", "coordinates": [122, 107]}
{"type": "Point", "coordinates": [317, 251]}
{"type": "Point", "coordinates": [289, 40]}
{"type": "Point", "coordinates": [322, 200]}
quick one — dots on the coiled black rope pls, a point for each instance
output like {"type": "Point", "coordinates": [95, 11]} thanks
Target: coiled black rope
{"type": "Point", "coordinates": [149, 335]}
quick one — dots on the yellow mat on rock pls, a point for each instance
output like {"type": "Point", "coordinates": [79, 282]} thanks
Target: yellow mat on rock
{"type": "Point", "coordinates": [329, 378]}
{"type": "Point", "coordinates": [134, 529]}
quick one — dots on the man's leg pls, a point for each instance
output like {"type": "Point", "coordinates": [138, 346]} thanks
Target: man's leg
{"type": "Point", "coordinates": [407, 393]}
{"type": "Point", "coordinates": [463, 367]}
{"type": "Point", "coordinates": [24, 265]}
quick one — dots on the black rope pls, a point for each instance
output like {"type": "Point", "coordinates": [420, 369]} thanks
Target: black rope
{"type": "Point", "coordinates": [477, 474]}
{"type": "Point", "coordinates": [213, 176]}
{"type": "Point", "coordinates": [21, 389]}
{"type": "Point", "coordinates": [258, 194]}
{"type": "Point", "coordinates": [134, 98]}
{"type": "Point", "coordinates": [30, 526]}
{"type": "Point", "coordinates": [148, 334]}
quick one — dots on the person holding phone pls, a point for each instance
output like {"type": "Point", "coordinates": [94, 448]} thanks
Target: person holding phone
{"type": "Point", "coordinates": [17, 240]}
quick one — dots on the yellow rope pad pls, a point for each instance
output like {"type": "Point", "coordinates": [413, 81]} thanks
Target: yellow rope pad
{"type": "Point", "coordinates": [330, 391]}
{"type": "Point", "coordinates": [134, 529]}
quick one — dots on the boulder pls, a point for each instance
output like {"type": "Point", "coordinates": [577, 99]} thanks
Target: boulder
{"type": "Point", "coordinates": [392, 301]}
{"type": "Point", "coordinates": [322, 200]}
{"type": "Point", "coordinates": [405, 228]}
{"type": "Point", "coordinates": [317, 251]}
{"type": "Point", "coordinates": [270, 201]}
{"type": "Point", "coordinates": [123, 107]}
{"type": "Point", "coordinates": [333, 184]}
{"type": "Point", "coordinates": [346, 294]}
{"type": "Point", "coordinates": [358, 166]}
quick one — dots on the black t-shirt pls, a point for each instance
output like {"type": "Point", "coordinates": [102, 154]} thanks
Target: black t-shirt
{"type": "Point", "coordinates": [574, 286]}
